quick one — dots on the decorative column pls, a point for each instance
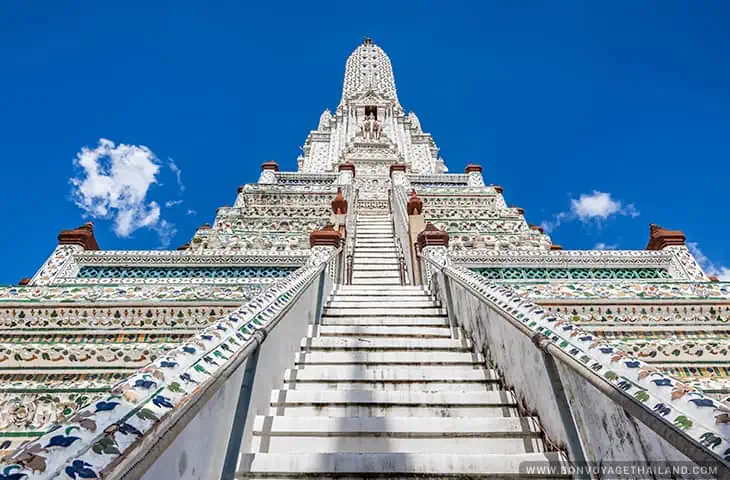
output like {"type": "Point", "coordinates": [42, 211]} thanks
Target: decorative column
{"type": "Point", "coordinates": [684, 264]}
{"type": "Point", "coordinates": [268, 170]}
{"type": "Point", "coordinates": [61, 261]}
{"type": "Point", "coordinates": [339, 212]}
{"type": "Point", "coordinates": [398, 174]}
{"type": "Point", "coordinates": [499, 201]}
{"type": "Point", "coordinates": [432, 243]}
{"type": "Point", "coordinates": [322, 242]}
{"type": "Point", "coordinates": [416, 224]}
{"type": "Point", "coordinates": [326, 237]}
{"type": "Point", "coordinates": [83, 236]}
{"type": "Point", "coordinates": [474, 175]}
{"type": "Point", "coordinates": [347, 173]}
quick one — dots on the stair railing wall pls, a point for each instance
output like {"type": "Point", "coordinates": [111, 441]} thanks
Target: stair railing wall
{"type": "Point", "coordinates": [350, 233]}
{"type": "Point", "coordinates": [587, 394]}
{"type": "Point", "coordinates": [398, 200]}
{"type": "Point", "coordinates": [156, 422]}
{"type": "Point", "coordinates": [345, 260]}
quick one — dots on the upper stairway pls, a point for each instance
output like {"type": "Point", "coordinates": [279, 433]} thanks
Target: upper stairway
{"type": "Point", "coordinates": [385, 387]}
{"type": "Point", "coordinates": [375, 260]}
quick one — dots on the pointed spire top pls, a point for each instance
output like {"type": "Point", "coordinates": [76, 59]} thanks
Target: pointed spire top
{"type": "Point", "coordinates": [368, 69]}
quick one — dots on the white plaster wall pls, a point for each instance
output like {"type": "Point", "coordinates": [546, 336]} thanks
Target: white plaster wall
{"type": "Point", "coordinates": [278, 351]}
{"type": "Point", "coordinates": [198, 452]}
{"type": "Point", "coordinates": [607, 432]}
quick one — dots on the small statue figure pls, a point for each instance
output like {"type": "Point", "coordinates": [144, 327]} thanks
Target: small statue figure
{"type": "Point", "coordinates": [371, 128]}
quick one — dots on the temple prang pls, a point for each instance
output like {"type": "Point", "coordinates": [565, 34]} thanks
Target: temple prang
{"type": "Point", "coordinates": [383, 313]}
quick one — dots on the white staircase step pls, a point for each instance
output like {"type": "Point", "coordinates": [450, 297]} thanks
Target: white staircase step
{"type": "Point", "coordinates": [377, 331]}
{"type": "Point", "coordinates": [357, 261]}
{"type": "Point", "coordinates": [388, 374]}
{"type": "Point", "coordinates": [404, 290]}
{"type": "Point", "coordinates": [468, 359]}
{"type": "Point", "coordinates": [375, 267]}
{"type": "Point", "coordinates": [371, 312]}
{"type": "Point", "coordinates": [335, 343]}
{"type": "Point", "coordinates": [377, 254]}
{"type": "Point", "coordinates": [396, 465]}
{"type": "Point", "coordinates": [385, 302]}
{"type": "Point", "coordinates": [387, 321]}
{"type": "Point", "coordinates": [375, 281]}
{"type": "Point", "coordinates": [374, 274]}
{"type": "Point", "coordinates": [415, 299]}
{"type": "Point", "coordinates": [380, 403]}
{"type": "Point", "coordinates": [293, 434]}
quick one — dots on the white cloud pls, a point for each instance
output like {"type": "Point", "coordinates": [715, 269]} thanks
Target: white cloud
{"type": "Point", "coordinates": [166, 231]}
{"type": "Point", "coordinates": [191, 212]}
{"type": "Point", "coordinates": [722, 272]}
{"type": "Point", "coordinates": [596, 206]}
{"type": "Point", "coordinates": [113, 184]}
{"type": "Point", "coordinates": [172, 203]}
{"type": "Point", "coordinates": [178, 173]}
{"type": "Point", "coordinates": [603, 246]}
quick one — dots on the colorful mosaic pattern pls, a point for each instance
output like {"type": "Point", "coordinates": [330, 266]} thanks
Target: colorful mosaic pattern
{"type": "Point", "coordinates": [572, 273]}
{"type": "Point", "coordinates": [92, 338]}
{"type": "Point", "coordinates": [116, 293]}
{"type": "Point", "coordinates": [679, 404]}
{"type": "Point", "coordinates": [183, 272]}
{"type": "Point", "coordinates": [95, 436]}
{"type": "Point", "coordinates": [554, 291]}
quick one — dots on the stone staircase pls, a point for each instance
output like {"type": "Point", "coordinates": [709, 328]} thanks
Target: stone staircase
{"type": "Point", "coordinates": [375, 260]}
{"type": "Point", "coordinates": [384, 388]}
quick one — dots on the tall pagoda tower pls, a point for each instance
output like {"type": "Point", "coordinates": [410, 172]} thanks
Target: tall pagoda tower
{"type": "Point", "coordinates": [419, 298]}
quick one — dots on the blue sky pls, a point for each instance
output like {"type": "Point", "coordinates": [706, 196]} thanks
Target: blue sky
{"type": "Point", "coordinates": [596, 119]}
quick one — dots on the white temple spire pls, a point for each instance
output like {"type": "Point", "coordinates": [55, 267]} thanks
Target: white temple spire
{"type": "Point", "coordinates": [368, 69]}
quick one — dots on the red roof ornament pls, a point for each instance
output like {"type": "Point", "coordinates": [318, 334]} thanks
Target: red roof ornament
{"type": "Point", "coordinates": [339, 204]}
{"type": "Point", "coordinates": [473, 167]}
{"type": "Point", "coordinates": [660, 237]}
{"type": "Point", "coordinates": [83, 235]}
{"type": "Point", "coordinates": [415, 204]}
{"type": "Point", "coordinates": [270, 165]}
{"type": "Point", "coordinates": [185, 246]}
{"type": "Point", "coordinates": [555, 247]}
{"type": "Point", "coordinates": [432, 237]}
{"type": "Point", "coordinates": [326, 237]}
{"type": "Point", "coordinates": [537, 227]}
{"type": "Point", "coordinates": [24, 281]}
{"type": "Point", "coordinates": [346, 166]}
{"type": "Point", "coordinates": [398, 167]}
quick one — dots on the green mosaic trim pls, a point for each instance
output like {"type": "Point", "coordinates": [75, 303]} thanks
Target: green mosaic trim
{"type": "Point", "coordinates": [184, 272]}
{"type": "Point", "coordinates": [494, 273]}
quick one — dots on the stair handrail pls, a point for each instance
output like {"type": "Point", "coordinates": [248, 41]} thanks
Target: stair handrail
{"type": "Point", "coordinates": [398, 199]}
{"type": "Point", "coordinates": [157, 397]}
{"type": "Point", "coordinates": [629, 382]}
{"type": "Point", "coordinates": [350, 232]}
